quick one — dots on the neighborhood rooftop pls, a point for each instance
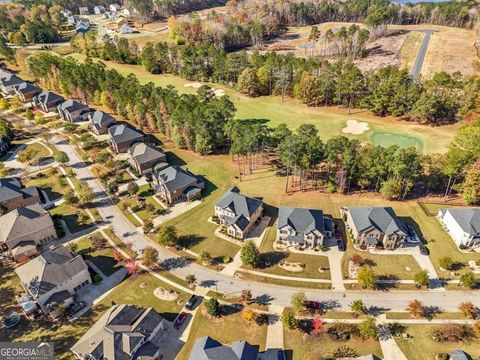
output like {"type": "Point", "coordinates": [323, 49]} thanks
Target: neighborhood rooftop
{"type": "Point", "coordinates": [46, 96]}
{"type": "Point", "coordinates": [121, 133]}
{"type": "Point", "coordinates": [207, 348]}
{"type": "Point", "coordinates": [383, 219]}
{"type": "Point", "coordinates": [72, 105]}
{"type": "Point", "coordinates": [11, 188]}
{"type": "Point", "coordinates": [145, 153]}
{"type": "Point", "coordinates": [302, 220]}
{"type": "Point", "coordinates": [468, 219]}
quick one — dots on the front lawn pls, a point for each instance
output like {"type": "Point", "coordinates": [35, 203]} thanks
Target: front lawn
{"type": "Point", "coordinates": [48, 181]}
{"type": "Point", "coordinates": [302, 346]}
{"type": "Point", "coordinates": [421, 346]}
{"type": "Point", "coordinates": [120, 243]}
{"type": "Point", "coordinates": [70, 215]}
{"type": "Point", "coordinates": [103, 259]}
{"type": "Point", "coordinates": [225, 329]}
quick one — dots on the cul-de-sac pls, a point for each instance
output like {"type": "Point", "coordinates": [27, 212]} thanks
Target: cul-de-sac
{"type": "Point", "coordinates": [240, 180]}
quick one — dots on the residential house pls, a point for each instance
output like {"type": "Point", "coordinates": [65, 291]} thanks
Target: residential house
{"type": "Point", "coordinates": [83, 10]}
{"type": "Point", "coordinates": [114, 7]}
{"type": "Point", "coordinates": [66, 13]}
{"type": "Point", "coordinates": [303, 227]}
{"type": "Point", "coordinates": [54, 277]}
{"type": "Point", "coordinates": [372, 227]}
{"type": "Point", "coordinates": [82, 26]}
{"type": "Point", "coordinates": [144, 157]}
{"type": "Point", "coordinates": [25, 228]}
{"type": "Point", "coordinates": [238, 213]}
{"type": "Point", "coordinates": [73, 111]}
{"type": "Point", "coordinates": [26, 91]}
{"type": "Point", "coordinates": [8, 83]}
{"type": "Point", "coordinates": [125, 29]}
{"type": "Point", "coordinates": [100, 122]}
{"type": "Point", "coordinates": [13, 195]}
{"type": "Point", "coordinates": [463, 225]}
{"type": "Point", "coordinates": [123, 136]}
{"type": "Point", "coordinates": [206, 348]}
{"type": "Point", "coordinates": [126, 332]}
{"type": "Point", "coordinates": [47, 101]}
{"type": "Point", "coordinates": [175, 184]}
{"type": "Point", "coordinates": [99, 9]}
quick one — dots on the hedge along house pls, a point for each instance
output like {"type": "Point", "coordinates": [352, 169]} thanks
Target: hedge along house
{"type": "Point", "coordinates": [238, 213]}
{"type": "Point", "coordinates": [375, 227]}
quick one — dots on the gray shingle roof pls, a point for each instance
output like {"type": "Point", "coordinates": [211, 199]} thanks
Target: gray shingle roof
{"type": "Point", "coordinates": [118, 331]}
{"type": "Point", "coordinates": [72, 105]}
{"type": "Point", "coordinates": [144, 153]}
{"type": "Point", "coordinates": [468, 219]}
{"type": "Point", "coordinates": [48, 96]}
{"type": "Point", "coordinates": [239, 204]}
{"type": "Point", "coordinates": [121, 133]}
{"type": "Point", "coordinates": [206, 348]}
{"type": "Point", "coordinates": [174, 177]}
{"type": "Point", "coordinates": [10, 80]}
{"type": "Point", "coordinates": [49, 270]}
{"type": "Point", "coordinates": [23, 221]}
{"type": "Point", "coordinates": [301, 220]}
{"type": "Point", "coordinates": [383, 219]}
{"type": "Point", "coordinates": [26, 88]}
{"type": "Point", "coordinates": [101, 118]}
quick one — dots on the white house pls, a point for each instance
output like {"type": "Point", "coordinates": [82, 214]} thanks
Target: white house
{"type": "Point", "coordinates": [114, 7]}
{"type": "Point", "coordinates": [463, 225]}
{"type": "Point", "coordinates": [125, 29]}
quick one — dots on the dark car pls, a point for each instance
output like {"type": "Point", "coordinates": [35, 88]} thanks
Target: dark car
{"type": "Point", "coordinates": [312, 304]}
{"type": "Point", "coordinates": [341, 245]}
{"type": "Point", "coordinates": [72, 310]}
{"type": "Point", "coordinates": [180, 320]}
{"type": "Point", "coordinates": [191, 302]}
{"type": "Point", "coordinates": [424, 250]}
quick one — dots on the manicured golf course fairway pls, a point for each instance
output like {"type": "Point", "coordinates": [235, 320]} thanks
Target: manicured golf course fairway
{"type": "Point", "coordinates": [329, 120]}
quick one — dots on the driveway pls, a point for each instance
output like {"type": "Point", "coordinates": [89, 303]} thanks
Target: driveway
{"type": "Point", "coordinates": [422, 52]}
{"type": "Point", "coordinates": [273, 294]}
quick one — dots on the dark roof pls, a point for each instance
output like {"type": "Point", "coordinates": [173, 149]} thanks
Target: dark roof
{"type": "Point", "coordinates": [26, 88]}
{"type": "Point", "coordinates": [47, 96]}
{"type": "Point", "coordinates": [122, 133]}
{"type": "Point", "coordinates": [72, 105]}
{"type": "Point", "coordinates": [50, 270]}
{"type": "Point", "coordinates": [468, 219]}
{"type": "Point", "coordinates": [206, 348]}
{"type": "Point", "coordinates": [144, 153]}
{"type": "Point", "coordinates": [239, 204]}
{"type": "Point", "coordinates": [100, 117]}
{"type": "Point", "coordinates": [174, 177]}
{"type": "Point", "coordinates": [11, 188]}
{"type": "Point", "coordinates": [383, 219]}
{"type": "Point", "coordinates": [118, 332]}
{"type": "Point", "coordinates": [301, 220]}
{"type": "Point", "coordinates": [10, 79]}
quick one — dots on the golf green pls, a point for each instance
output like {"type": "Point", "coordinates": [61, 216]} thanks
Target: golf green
{"type": "Point", "coordinates": [386, 139]}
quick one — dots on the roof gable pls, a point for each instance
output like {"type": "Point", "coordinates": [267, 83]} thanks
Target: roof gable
{"type": "Point", "coordinates": [239, 204]}
{"type": "Point", "coordinates": [382, 219]}
{"type": "Point", "coordinates": [301, 220]}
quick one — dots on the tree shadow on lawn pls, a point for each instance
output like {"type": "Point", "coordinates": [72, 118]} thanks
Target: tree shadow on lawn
{"type": "Point", "coordinates": [52, 195]}
{"type": "Point", "coordinates": [173, 159]}
{"type": "Point", "coordinates": [209, 186]}
{"type": "Point", "coordinates": [188, 241]}
{"type": "Point", "coordinates": [271, 258]}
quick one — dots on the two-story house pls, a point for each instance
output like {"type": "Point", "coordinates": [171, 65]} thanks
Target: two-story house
{"type": "Point", "coordinates": [25, 228]}
{"type": "Point", "coordinates": [123, 136]}
{"type": "Point", "coordinates": [144, 158]}
{"type": "Point", "coordinates": [54, 277]}
{"type": "Point", "coordinates": [372, 227]}
{"type": "Point", "coordinates": [47, 101]}
{"type": "Point", "coordinates": [8, 83]}
{"type": "Point", "coordinates": [303, 227]}
{"type": "Point", "coordinates": [463, 225]}
{"type": "Point", "coordinates": [175, 184]}
{"type": "Point", "coordinates": [100, 122]}
{"type": "Point", "coordinates": [26, 91]}
{"type": "Point", "coordinates": [127, 332]}
{"type": "Point", "coordinates": [13, 195]}
{"type": "Point", "coordinates": [238, 213]}
{"type": "Point", "coordinates": [73, 111]}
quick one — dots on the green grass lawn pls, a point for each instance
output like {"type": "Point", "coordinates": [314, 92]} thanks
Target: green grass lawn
{"type": "Point", "coordinates": [48, 182]}
{"type": "Point", "coordinates": [70, 216]}
{"type": "Point", "coordinates": [422, 347]}
{"type": "Point", "coordinates": [226, 329]}
{"type": "Point", "coordinates": [101, 258]}
{"type": "Point", "coordinates": [302, 346]}
{"type": "Point", "coordinates": [120, 243]}
{"type": "Point", "coordinates": [330, 121]}
{"type": "Point", "coordinates": [41, 150]}
{"type": "Point", "coordinates": [443, 315]}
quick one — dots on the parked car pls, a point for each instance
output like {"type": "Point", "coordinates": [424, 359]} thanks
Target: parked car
{"type": "Point", "coordinates": [424, 250]}
{"type": "Point", "coordinates": [341, 245]}
{"type": "Point", "coordinates": [312, 305]}
{"type": "Point", "coordinates": [72, 310]}
{"type": "Point", "coordinates": [180, 320]}
{"type": "Point", "coordinates": [191, 302]}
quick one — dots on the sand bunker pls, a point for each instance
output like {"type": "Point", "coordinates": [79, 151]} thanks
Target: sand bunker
{"type": "Point", "coordinates": [196, 85]}
{"type": "Point", "coordinates": [163, 294]}
{"type": "Point", "coordinates": [219, 92]}
{"type": "Point", "coordinates": [355, 127]}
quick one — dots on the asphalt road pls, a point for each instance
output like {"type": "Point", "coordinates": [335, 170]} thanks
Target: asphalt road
{"type": "Point", "coordinates": [422, 52]}
{"type": "Point", "coordinates": [274, 294]}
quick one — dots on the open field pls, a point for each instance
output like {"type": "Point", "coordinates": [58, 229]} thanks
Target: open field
{"type": "Point", "coordinates": [310, 347]}
{"type": "Point", "coordinates": [422, 347]}
{"type": "Point", "coordinates": [226, 329]}
{"type": "Point", "coordinates": [330, 121]}
{"type": "Point", "coordinates": [451, 49]}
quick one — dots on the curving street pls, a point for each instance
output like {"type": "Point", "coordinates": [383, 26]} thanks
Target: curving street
{"type": "Point", "coordinates": [276, 295]}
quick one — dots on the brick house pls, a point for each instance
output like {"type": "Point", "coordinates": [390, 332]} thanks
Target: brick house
{"type": "Point", "coordinates": [47, 101]}
{"type": "Point", "coordinates": [144, 157]}
{"type": "Point", "coordinates": [123, 136]}
{"type": "Point", "coordinates": [13, 195]}
{"type": "Point", "coordinates": [26, 91]}
{"type": "Point", "coordinates": [9, 82]}
{"type": "Point", "coordinates": [73, 111]}
{"type": "Point", "coordinates": [100, 122]}
{"type": "Point", "coordinates": [175, 184]}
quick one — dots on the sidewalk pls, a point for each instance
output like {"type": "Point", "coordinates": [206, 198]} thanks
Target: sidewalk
{"type": "Point", "coordinates": [275, 328]}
